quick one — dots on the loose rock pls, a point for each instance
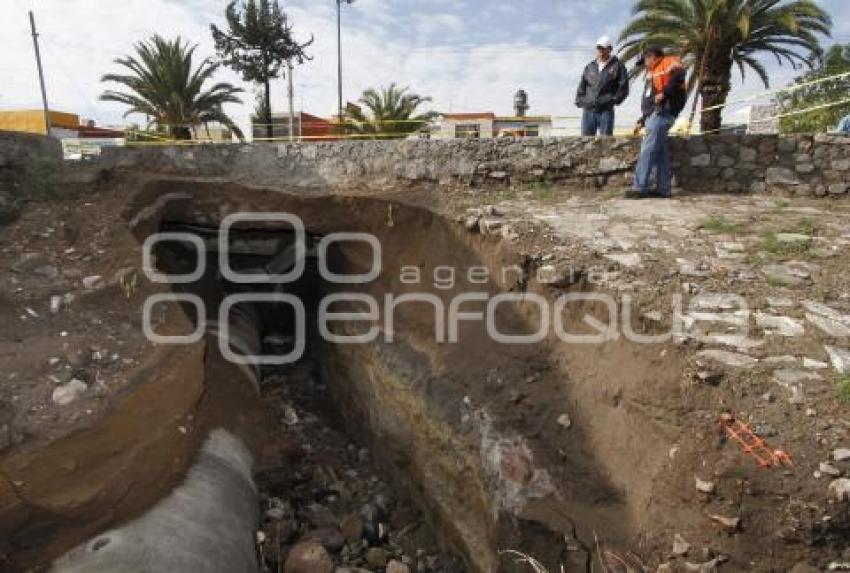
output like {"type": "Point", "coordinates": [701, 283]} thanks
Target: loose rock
{"type": "Point", "coordinates": [351, 528]}
{"type": "Point", "coordinates": [829, 469]}
{"type": "Point", "coordinates": [320, 516]}
{"type": "Point", "coordinates": [397, 567]}
{"type": "Point", "coordinates": [67, 393]}
{"type": "Point", "coordinates": [706, 487]}
{"type": "Point", "coordinates": [729, 359]}
{"type": "Point", "coordinates": [731, 523]}
{"type": "Point", "coordinates": [330, 538]}
{"type": "Point", "coordinates": [839, 490]}
{"type": "Point", "coordinates": [680, 546]}
{"type": "Point", "coordinates": [92, 282]}
{"type": "Point", "coordinates": [840, 359]}
{"type": "Point", "coordinates": [781, 325]}
{"type": "Point", "coordinates": [794, 381]}
{"type": "Point", "coordinates": [786, 275]}
{"type": "Point", "coordinates": [811, 364]}
{"type": "Point", "coordinates": [376, 557]}
{"type": "Point", "coordinates": [629, 260]}
{"type": "Point", "coordinates": [308, 557]}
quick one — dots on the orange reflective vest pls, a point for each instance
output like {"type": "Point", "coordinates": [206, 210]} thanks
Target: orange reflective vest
{"type": "Point", "coordinates": [662, 73]}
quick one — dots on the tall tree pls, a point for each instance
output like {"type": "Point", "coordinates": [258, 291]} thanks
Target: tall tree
{"type": "Point", "coordinates": [392, 113]}
{"type": "Point", "coordinates": [262, 114]}
{"type": "Point", "coordinates": [257, 43]}
{"type": "Point", "coordinates": [720, 34]}
{"type": "Point", "coordinates": [165, 85]}
{"type": "Point", "coordinates": [835, 61]}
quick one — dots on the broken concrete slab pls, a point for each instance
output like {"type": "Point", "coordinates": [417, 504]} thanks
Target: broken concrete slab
{"type": "Point", "coordinates": [92, 282]}
{"type": "Point", "coordinates": [826, 311]}
{"type": "Point", "coordinates": [779, 302]}
{"type": "Point", "coordinates": [728, 359]}
{"type": "Point", "coordinates": [692, 269]}
{"type": "Point", "coordinates": [781, 325]}
{"type": "Point", "coordinates": [786, 361]}
{"type": "Point", "coordinates": [490, 226]}
{"type": "Point", "coordinates": [718, 301]}
{"type": "Point", "coordinates": [811, 364]}
{"type": "Point", "coordinates": [738, 318]}
{"type": "Point", "coordinates": [795, 382]}
{"type": "Point", "coordinates": [628, 260]}
{"type": "Point", "coordinates": [793, 238]}
{"type": "Point", "coordinates": [830, 327]}
{"type": "Point", "coordinates": [732, 247]}
{"type": "Point", "coordinates": [792, 273]}
{"type": "Point", "coordinates": [840, 359]}
{"type": "Point", "coordinates": [733, 340]}
{"type": "Point", "coordinates": [728, 254]}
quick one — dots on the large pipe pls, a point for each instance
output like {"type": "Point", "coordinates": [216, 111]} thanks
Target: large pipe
{"type": "Point", "coordinates": [206, 524]}
{"type": "Point", "coordinates": [245, 338]}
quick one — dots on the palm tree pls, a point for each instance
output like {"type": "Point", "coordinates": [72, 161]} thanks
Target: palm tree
{"type": "Point", "coordinates": [719, 34]}
{"type": "Point", "coordinates": [834, 62]}
{"type": "Point", "coordinates": [392, 113]}
{"type": "Point", "coordinates": [165, 85]}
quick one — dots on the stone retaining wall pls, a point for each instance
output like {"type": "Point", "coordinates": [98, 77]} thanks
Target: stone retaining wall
{"type": "Point", "coordinates": [803, 165]}
{"type": "Point", "coordinates": [24, 158]}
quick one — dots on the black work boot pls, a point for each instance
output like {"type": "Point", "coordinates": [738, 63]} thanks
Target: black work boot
{"type": "Point", "coordinates": [657, 195]}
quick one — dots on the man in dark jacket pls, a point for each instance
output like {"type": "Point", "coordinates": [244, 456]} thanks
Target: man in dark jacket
{"type": "Point", "coordinates": [664, 97]}
{"type": "Point", "coordinates": [604, 84]}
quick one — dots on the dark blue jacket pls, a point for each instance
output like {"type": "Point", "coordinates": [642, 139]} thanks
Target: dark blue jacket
{"type": "Point", "coordinates": [602, 90]}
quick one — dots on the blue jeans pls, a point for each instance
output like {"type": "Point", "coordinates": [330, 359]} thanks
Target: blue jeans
{"type": "Point", "coordinates": [597, 121]}
{"type": "Point", "coordinates": [655, 154]}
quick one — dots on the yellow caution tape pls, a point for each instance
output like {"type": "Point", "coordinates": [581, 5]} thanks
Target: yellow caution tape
{"type": "Point", "coordinates": [782, 115]}
{"type": "Point", "coordinates": [793, 88]}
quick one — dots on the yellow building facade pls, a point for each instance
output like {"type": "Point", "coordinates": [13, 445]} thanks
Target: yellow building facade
{"type": "Point", "coordinates": [32, 120]}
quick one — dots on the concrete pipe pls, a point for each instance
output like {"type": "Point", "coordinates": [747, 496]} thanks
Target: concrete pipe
{"type": "Point", "coordinates": [207, 524]}
{"type": "Point", "coordinates": [245, 337]}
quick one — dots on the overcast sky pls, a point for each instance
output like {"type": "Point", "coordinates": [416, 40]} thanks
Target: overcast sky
{"type": "Point", "coordinates": [468, 55]}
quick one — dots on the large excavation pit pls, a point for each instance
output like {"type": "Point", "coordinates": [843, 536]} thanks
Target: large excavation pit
{"type": "Point", "coordinates": [403, 400]}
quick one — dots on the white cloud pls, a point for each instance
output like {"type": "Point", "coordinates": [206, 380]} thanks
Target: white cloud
{"type": "Point", "coordinates": [469, 55]}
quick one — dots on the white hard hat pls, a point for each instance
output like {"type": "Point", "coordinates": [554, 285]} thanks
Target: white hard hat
{"type": "Point", "coordinates": [604, 42]}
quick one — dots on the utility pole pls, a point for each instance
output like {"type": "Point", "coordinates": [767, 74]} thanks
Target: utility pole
{"type": "Point", "coordinates": [339, 52]}
{"type": "Point", "coordinates": [291, 94]}
{"type": "Point", "coordinates": [301, 113]}
{"type": "Point", "coordinates": [40, 76]}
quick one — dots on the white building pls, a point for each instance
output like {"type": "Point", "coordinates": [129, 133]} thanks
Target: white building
{"type": "Point", "coordinates": [487, 125]}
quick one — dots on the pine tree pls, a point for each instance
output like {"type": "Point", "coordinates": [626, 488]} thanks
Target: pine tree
{"type": "Point", "coordinates": [257, 44]}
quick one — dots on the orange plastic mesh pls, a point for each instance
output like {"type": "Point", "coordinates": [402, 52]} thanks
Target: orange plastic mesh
{"type": "Point", "coordinates": [754, 446]}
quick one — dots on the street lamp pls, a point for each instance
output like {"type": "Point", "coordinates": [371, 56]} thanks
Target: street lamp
{"type": "Point", "coordinates": [339, 51]}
